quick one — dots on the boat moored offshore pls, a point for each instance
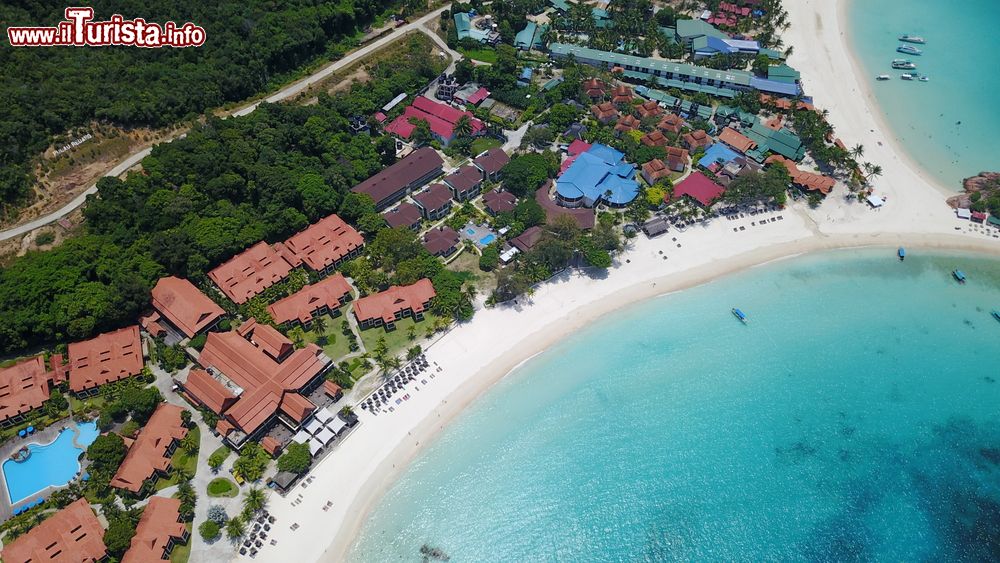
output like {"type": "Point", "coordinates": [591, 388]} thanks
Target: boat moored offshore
{"type": "Point", "coordinates": [903, 64]}
{"type": "Point", "coordinates": [883, 77]}
{"type": "Point", "coordinates": [996, 315]}
{"type": "Point", "coordinates": [959, 275]}
{"type": "Point", "coordinates": [740, 315]}
{"type": "Point", "coordinates": [912, 38]}
{"type": "Point", "coordinates": [901, 253]}
{"type": "Point", "coordinates": [909, 50]}
{"type": "Point", "coordinates": [907, 76]}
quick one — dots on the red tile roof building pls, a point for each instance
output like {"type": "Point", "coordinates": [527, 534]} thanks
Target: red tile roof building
{"type": "Point", "coordinates": [655, 170]}
{"type": "Point", "coordinates": [621, 94]}
{"type": "Point", "coordinates": [149, 456]}
{"type": "Point", "coordinates": [442, 241]}
{"type": "Point", "coordinates": [492, 162]}
{"type": "Point", "coordinates": [441, 118]}
{"type": "Point", "coordinates": [698, 187]}
{"type": "Point", "coordinates": [465, 182]}
{"type": "Point", "coordinates": [434, 202]}
{"type": "Point", "coordinates": [260, 368]}
{"type": "Point", "coordinates": [393, 304]}
{"type": "Point", "coordinates": [805, 180]}
{"type": "Point", "coordinates": [106, 358]}
{"type": "Point", "coordinates": [654, 139]}
{"type": "Point", "coordinates": [677, 159]}
{"type": "Point", "coordinates": [695, 140]}
{"type": "Point", "coordinates": [392, 183]}
{"type": "Point", "coordinates": [326, 244]}
{"type": "Point", "coordinates": [497, 202]}
{"type": "Point", "coordinates": [159, 530]}
{"type": "Point", "coordinates": [24, 386]}
{"type": "Point", "coordinates": [72, 535]}
{"type": "Point", "coordinates": [671, 123]}
{"type": "Point", "coordinates": [605, 112]}
{"type": "Point", "coordinates": [594, 88]}
{"type": "Point", "coordinates": [649, 109]}
{"type": "Point", "coordinates": [403, 215]}
{"type": "Point", "coordinates": [187, 309]}
{"type": "Point", "coordinates": [320, 298]}
{"type": "Point", "coordinates": [627, 123]}
{"type": "Point", "coordinates": [250, 272]}
{"type": "Point", "coordinates": [736, 140]}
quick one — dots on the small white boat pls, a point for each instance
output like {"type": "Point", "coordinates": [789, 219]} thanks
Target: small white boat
{"type": "Point", "coordinates": [925, 78]}
{"type": "Point", "coordinates": [907, 76]}
{"type": "Point", "coordinates": [909, 50]}
{"type": "Point", "coordinates": [883, 77]}
{"type": "Point", "coordinates": [912, 38]}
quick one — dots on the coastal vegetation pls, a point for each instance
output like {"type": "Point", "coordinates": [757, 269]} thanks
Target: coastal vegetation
{"type": "Point", "coordinates": [51, 94]}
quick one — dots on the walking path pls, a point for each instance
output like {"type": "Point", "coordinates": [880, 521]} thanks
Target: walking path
{"type": "Point", "coordinates": [285, 93]}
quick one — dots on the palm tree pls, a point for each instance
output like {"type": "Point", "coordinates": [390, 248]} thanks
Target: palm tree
{"type": "Point", "coordinates": [235, 528]}
{"type": "Point", "coordinates": [874, 172]}
{"type": "Point", "coordinates": [858, 150]}
{"type": "Point", "coordinates": [463, 126]}
{"type": "Point", "coordinates": [319, 324]}
{"type": "Point", "coordinates": [254, 501]}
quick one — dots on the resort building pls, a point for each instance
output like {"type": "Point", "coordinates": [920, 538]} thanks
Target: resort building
{"type": "Point", "coordinates": [325, 244]}
{"type": "Point", "coordinates": [187, 310]}
{"type": "Point", "coordinates": [148, 458]}
{"type": "Point", "coordinates": [74, 534]}
{"type": "Point", "coordinates": [395, 181]}
{"type": "Point", "coordinates": [530, 37]}
{"type": "Point", "coordinates": [698, 187]}
{"type": "Point", "coordinates": [697, 139]}
{"type": "Point", "coordinates": [584, 217]}
{"type": "Point", "coordinates": [24, 386]}
{"type": "Point", "coordinates": [250, 272]}
{"type": "Point", "coordinates": [621, 94]}
{"type": "Point", "coordinates": [465, 182]}
{"type": "Point", "coordinates": [322, 298]}
{"type": "Point", "coordinates": [803, 179]}
{"type": "Point", "coordinates": [442, 119]}
{"type": "Point", "coordinates": [778, 141]}
{"type": "Point", "coordinates": [649, 108]}
{"type": "Point", "coordinates": [739, 142]}
{"type": "Point", "coordinates": [403, 215]}
{"type": "Point", "coordinates": [724, 83]}
{"type": "Point", "coordinates": [738, 166]}
{"type": "Point", "coordinates": [159, 529]}
{"type": "Point", "coordinates": [688, 30]}
{"type": "Point", "coordinates": [654, 171]}
{"type": "Point", "coordinates": [671, 123]}
{"type": "Point", "coordinates": [528, 239]}
{"type": "Point", "coordinates": [654, 138]}
{"type": "Point", "coordinates": [497, 202]}
{"type": "Point", "coordinates": [677, 159]}
{"type": "Point", "coordinates": [442, 241]}
{"type": "Point", "coordinates": [656, 226]}
{"type": "Point", "coordinates": [605, 112]}
{"type": "Point", "coordinates": [491, 162]}
{"type": "Point", "coordinates": [434, 202]}
{"type": "Point", "coordinates": [393, 304]}
{"type": "Point", "coordinates": [626, 124]}
{"type": "Point", "coordinates": [595, 176]}
{"type": "Point", "coordinates": [595, 88]}
{"type": "Point", "coordinates": [106, 358]}
{"type": "Point", "coordinates": [465, 30]}
{"type": "Point", "coordinates": [254, 377]}
{"type": "Point", "coordinates": [677, 105]}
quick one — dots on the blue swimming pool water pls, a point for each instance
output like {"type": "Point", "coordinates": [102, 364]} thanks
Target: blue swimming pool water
{"type": "Point", "coordinates": [853, 419]}
{"type": "Point", "coordinates": [485, 241]}
{"type": "Point", "coordinates": [470, 232]}
{"type": "Point", "coordinates": [50, 465]}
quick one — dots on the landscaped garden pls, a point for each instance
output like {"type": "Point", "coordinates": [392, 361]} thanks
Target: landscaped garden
{"type": "Point", "coordinates": [222, 487]}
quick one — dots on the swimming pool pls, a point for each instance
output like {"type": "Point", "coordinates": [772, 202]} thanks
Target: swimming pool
{"type": "Point", "coordinates": [51, 465]}
{"type": "Point", "coordinates": [470, 232]}
{"type": "Point", "coordinates": [485, 241]}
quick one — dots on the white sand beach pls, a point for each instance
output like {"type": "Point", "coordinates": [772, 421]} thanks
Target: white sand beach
{"type": "Point", "coordinates": [475, 355]}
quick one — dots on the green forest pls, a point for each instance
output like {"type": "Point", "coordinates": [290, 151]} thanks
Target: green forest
{"type": "Point", "coordinates": [250, 44]}
{"type": "Point", "coordinates": [200, 200]}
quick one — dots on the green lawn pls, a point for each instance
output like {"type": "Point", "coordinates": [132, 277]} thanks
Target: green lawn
{"type": "Point", "coordinates": [397, 340]}
{"type": "Point", "coordinates": [333, 342]}
{"type": "Point", "coordinates": [483, 54]}
{"type": "Point", "coordinates": [182, 462]}
{"type": "Point", "coordinates": [181, 553]}
{"type": "Point", "coordinates": [222, 487]}
{"type": "Point", "coordinates": [484, 144]}
{"type": "Point", "coordinates": [468, 261]}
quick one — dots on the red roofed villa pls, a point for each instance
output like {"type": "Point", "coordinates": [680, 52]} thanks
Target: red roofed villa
{"type": "Point", "coordinates": [250, 272]}
{"type": "Point", "coordinates": [148, 458]}
{"type": "Point", "coordinates": [187, 309]}
{"type": "Point", "coordinates": [159, 530]}
{"type": "Point", "coordinates": [300, 308]}
{"type": "Point", "coordinates": [106, 358]}
{"type": "Point", "coordinates": [698, 187]}
{"type": "Point", "coordinates": [393, 304]}
{"type": "Point", "coordinates": [695, 140]}
{"type": "Point", "coordinates": [441, 118]}
{"type": "Point", "coordinates": [326, 244]}
{"type": "Point", "coordinates": [605, 112]}
{"type": "Point", "coordinates": [72, 535]}
{"type": "Point", "coordinates": [24, 386]}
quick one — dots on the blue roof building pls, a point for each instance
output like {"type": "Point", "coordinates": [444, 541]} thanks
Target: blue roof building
{"type": "Point", "coordinates": [600, 174]}
{"type": "Point", "coordinates": [525, 78]}
{"type": "Point", "coordinates": [718, 153]}
{"type": "Point", "coordinates": [526, 37]}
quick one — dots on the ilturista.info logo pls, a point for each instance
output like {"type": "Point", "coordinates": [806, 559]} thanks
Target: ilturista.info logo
{"type": "Point", "coordinates": [80, 30]}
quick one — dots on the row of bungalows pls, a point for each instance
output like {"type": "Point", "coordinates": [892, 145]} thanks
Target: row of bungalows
{"type": "Point", "coordinates": [684, 76]}
{"type": "Point", "coordinates": [252, 378]}
{"type": "Point", "coordinates": [442, 120]}
{"type": "Point", "coordinates": [435, 202]}
{"type": "Point", "coordinates": [149, 454]}
{"type": "Point", "coordinates": [321, 247]}
{"type": "Point", "coordinates": [394, 304]}
{"type": "Point", "coordinates": [313, 300]}
{"type": "Point", "coordinates": [75, 534]}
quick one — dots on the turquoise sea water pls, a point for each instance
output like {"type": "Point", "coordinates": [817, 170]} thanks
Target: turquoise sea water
{"type": "Point", "coordinates": [53, 464]}
{"type": "Point", "coordinates": [856, 417]}
{"type": "Point", "coordinates": [961, 58]}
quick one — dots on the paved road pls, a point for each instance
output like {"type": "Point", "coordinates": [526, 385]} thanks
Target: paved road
{"type": "Point", "coordinates": [287, 92]}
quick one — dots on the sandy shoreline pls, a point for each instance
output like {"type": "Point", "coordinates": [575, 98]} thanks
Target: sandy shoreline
{"type": "Point", "coordinates": [348, 483]}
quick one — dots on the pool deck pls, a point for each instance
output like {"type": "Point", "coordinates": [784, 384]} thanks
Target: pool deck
{"type": "Point", "coordinates": [479, 232]}
{"type": "Point", "coordinates": [43, 437]}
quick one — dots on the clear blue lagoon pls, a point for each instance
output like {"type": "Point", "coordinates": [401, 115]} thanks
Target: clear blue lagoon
{"type": "Point", "coordinates": [854, 418]}
{"type": "Point", "coordinates": [949, 124]}
{"type": "Point", "coordinates": [51, 465]}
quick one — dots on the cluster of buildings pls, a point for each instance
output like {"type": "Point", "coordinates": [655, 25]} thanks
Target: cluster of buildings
{"type": "Point", "coordinates": [441, 118]}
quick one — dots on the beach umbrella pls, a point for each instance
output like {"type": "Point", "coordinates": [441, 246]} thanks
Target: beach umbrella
{"type": "Point", "coordinates": [22, 433]}
{"type": "Point", "coordinates": [31, 430]}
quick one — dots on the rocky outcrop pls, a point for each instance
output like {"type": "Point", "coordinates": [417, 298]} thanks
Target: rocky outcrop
{"type": "Point", "coordinates": [985, 182]}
